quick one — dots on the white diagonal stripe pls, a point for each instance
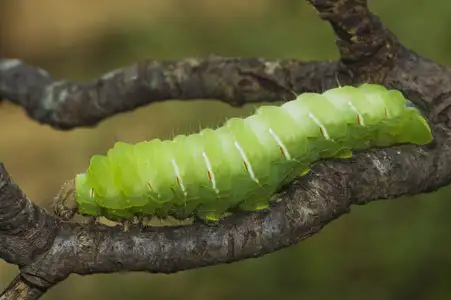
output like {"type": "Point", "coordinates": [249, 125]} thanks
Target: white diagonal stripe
{"type": "Point", "coordinates": [280, 143]}
{"type": "Point", "coordinates": [210, 171]}
{"type": "Point", "coordinates": [248, 164]}
{"type": "Point", "coordinates": [177, 173]}
{"type": "Point", "coordinates": [315, 119]}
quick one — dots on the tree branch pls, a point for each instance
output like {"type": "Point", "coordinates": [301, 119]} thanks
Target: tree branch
{"type": "Point", "coordinates": [48, 250]}
{"type": "Point", "coordinates": [20, 289]}
{"type": "Point", "coordinates": [66, 105]}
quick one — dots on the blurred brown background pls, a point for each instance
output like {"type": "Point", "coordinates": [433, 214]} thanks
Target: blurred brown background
{"type": "Point", "coordinates": [384, 250]}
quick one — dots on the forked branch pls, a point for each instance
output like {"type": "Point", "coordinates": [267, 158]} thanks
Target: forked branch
{"type": "Point", "coordinates": [48, 250]}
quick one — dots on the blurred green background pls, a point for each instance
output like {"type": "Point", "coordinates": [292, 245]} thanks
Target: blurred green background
{"type": "Point", "coordinates": [385, 250]}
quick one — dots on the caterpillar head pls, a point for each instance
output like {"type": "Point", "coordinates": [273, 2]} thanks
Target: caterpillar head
{"type": "Point", "coordinates": [65, 204]}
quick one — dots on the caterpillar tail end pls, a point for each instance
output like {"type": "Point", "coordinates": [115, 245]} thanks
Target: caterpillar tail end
{"type": "Point", "coordinates": [64, 204]}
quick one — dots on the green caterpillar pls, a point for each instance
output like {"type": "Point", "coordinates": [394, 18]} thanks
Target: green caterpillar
{"type": "Point", "coordinates": [243, 163]}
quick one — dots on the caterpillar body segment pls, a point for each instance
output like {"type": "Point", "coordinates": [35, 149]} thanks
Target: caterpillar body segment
{"type": "Point", "coordinates": [241, 164]}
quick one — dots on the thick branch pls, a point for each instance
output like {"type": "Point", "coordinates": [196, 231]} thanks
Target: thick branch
{"type": "Point", "coordinates": [24, 230]}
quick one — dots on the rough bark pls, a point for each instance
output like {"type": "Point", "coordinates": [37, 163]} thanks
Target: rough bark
{"type": "Point", "coordinates": [48, 250]}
